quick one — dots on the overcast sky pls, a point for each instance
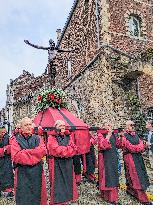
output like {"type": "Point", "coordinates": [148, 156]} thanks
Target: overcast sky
{"type": "Point", "coordinates": [34, 20]}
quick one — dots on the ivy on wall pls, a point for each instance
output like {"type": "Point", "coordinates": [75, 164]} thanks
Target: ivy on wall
{"type": "Point", "coordinates": [147, 55]}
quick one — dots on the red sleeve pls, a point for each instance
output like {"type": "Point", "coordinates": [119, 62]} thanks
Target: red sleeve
{"type": "Point", "coordinates": [103, 143]}
{"type": "Point", "coordinates": [119, 142]}
{"type": "Point", "coordinates": [5, 150]}
{"type": "Point", "coordinates": [1, 152]}
{"type": "Point", "coordinates": [93, 140]}
{"type": "Point", "coordinates": [8, 149]}
{"type": "Point", "coordinates": [61, 151]}
{"type": "Point", "coordinates": [71, 149]}
{"type": "Point", "coordinates": [27, 156]}
{"type": "Point", "coordinates": [133, 148]}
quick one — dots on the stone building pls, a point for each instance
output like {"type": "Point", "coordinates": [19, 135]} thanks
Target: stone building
{"type": "Point", "coordinates": [2, 116]}
{"type": "Point", "coordinates": [108, 38]}
{"type": "Point", "coordinates": [21, 97]}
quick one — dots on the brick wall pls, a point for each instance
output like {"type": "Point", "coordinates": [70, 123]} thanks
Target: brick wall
{"type": "Point", "coordinates": [114, 30]}
{"type": "Point", "coordinates": [81, 36]}
{"type": "Point", "coordinates": [119, 24]}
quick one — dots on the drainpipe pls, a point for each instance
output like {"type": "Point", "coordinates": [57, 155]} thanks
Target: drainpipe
{"type": "Point", "coordinates": [97, 24]}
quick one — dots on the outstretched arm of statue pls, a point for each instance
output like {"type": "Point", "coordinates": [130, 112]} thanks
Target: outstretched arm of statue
{"type": "Point", "coordinates": [36, 46]}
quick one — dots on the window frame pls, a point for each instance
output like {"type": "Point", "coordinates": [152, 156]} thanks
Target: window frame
{"type": "Point", "coordinates": [137, 19]}
{"type": "Point", "coordinates": [69, 69]}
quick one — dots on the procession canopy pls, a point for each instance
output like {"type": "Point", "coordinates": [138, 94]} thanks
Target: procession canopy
{"type": "Point", "coordinates": [52, 107]}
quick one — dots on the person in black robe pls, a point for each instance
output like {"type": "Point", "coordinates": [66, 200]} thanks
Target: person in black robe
{"type": "Point", "coordinates": [27, 151]}
{"type": "Point", "coordinates": [88, 161]}
{"type": "Point", "coordinates": [137, 180]}
{"type": "Point", "coordinates": [6, 168]}
{"type": "Point", "coordinates": [108, 164]}
{"type": "Point", "coordinates": [77, 159]}
{"type": "Point", "coordinates": [61, 149]}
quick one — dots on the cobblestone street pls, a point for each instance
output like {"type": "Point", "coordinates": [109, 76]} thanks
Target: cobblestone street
{"type": "Point", "coordinates": [89, 195]}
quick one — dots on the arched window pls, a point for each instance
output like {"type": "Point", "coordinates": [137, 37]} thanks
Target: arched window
{"type": "Point", "coordinates": [135, 25]}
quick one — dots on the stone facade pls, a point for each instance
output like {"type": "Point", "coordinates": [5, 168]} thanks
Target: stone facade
{"type": "Point", "coordinates": [146, 94]}
{"type": "Point", "coordinates": [21, 96]}
{"type": "Point", "coordinates": [119, 33]}
{"type": "Point", "coordinates": [120, 38]}
{"type": "Point", "coordinates": [2, 115]}
{"type": "Point", "coordinates": [80, 35]}
{"type": "Point", "coordinates": [96, 95]}
{"type": "Point", "coordinates": [98, 87]}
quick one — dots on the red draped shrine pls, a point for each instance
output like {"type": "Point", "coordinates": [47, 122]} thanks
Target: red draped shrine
{"type": "Point", "coordinates": [49, 117]}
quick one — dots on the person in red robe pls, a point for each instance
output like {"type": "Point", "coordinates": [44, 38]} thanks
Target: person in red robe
{"type": "Point", "coordinates": [108, 164]}
{"type": "Point", "coordinates": [6, 168]}
{"type": "Point", "coordinates": [137, 180]}
{"type": "Point", "coordinates": [61, 149]}
{"type": "Point", "coordinates": [27, 150]}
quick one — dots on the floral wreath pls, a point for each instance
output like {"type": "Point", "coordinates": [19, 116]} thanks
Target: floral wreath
{"type": "Point", "coordinates": [55, 98]}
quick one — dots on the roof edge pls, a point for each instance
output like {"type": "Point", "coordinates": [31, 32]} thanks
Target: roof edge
{"type": "Point", "coordinates": [67, 22]}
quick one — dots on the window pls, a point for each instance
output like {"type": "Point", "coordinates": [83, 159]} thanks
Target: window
{"type": "Point", "coordinates": [69, 67]}
{"type": "Point", "coordinates": [135, 25]}
{"type": "Point", "coordinates": [150, 113]}
{"type": "Point", "coordinates": [28, 109]}
{"type": "Point", "coordinates": [20, 111]}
